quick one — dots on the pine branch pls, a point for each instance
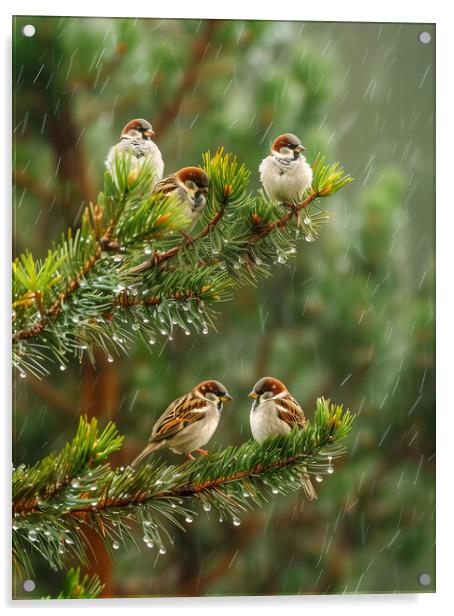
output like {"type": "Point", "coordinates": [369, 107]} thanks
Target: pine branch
{"type": "Point", "coordinates": [57, 499]}
{"type": "Point", "coordinates": [76, 587]}
{"type": "Point", "coordinates": [95, 287]}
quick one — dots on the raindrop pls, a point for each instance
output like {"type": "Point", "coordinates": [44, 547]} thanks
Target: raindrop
{"type": "Point", "coordinates": [148, 250]}
{"type": "Point", "coordinates": [189, 519]}
{"type": "Point", "coordinates": [162, 550]}
{"type": "Point", "coordinates": [330, 470]}
{"type": "Point", "coordinates": [275, 491]}
{"type": "Point", "coordinates": [187, 332]}
{"type": "Point", "coordinates": [69, 541]}
{"type": "Point", "coordinates": [62, 367]}
{"type": "Point", "coordinates": [152, 341]}
{"type": "Point", "coordinates": [205, 330]}
{"type": "Point", "coordinates": [116, 545]}
{"type": "Point", "coordinates": [75, 483]}
{"type": "Point", "coordinates": [110, 359]}
{"type": "Point", "coordinates": [23, 375]}
{"type": "Point", "coordinates": [307, 221]}
{"type": "Point", "coordinates": [207, 506]}
{"type": "Point", "coordinates": [136, 326]}
{"type": "Point", "coordinates": [318, 478]}
{"type": "Point", "coordinates": [236, 521]}
{"type": "Point", "coordinates": [309, 238]}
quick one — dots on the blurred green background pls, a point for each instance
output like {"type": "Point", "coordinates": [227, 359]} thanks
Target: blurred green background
{"type": "Point", "coordinates": [351, 318]}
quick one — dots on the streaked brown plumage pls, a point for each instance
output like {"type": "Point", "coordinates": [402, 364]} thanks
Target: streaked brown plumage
{"type": "Point", "coordinates": [189, 421]}
{"type": "Point", "coordinates": [191, 185]}
{"type": "Point", "coordinates": [136, 144]}
{"type": "Point", "coordinates": [275, 411]}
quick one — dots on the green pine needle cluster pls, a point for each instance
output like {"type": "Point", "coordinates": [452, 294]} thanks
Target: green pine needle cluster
{"type": "Point", "coordinates": [77, 587]}
{"type": "Point", "coordinates": [59, 498]}
{"type": "Point", "coordinates": [128, 270]}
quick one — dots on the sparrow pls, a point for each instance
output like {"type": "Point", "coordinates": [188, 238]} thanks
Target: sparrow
{"type": "Point", "coordinates": [191, 185]}
{"type": "Point", "coordinates": [275, 411]}
{"type": "Point", "coordinates": [189, 421]}
{"type": "Point", "coordinates": [285, 173]}
{"type": "Point", "coordinates": [135, 142]}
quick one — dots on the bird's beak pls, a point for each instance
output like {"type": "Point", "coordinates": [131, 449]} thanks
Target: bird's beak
{"type": "Point", "coordinates": [300, 148]}
{"type": "Point", "coordinates": [149, 133]}
{"type": "Point", "coordinates": [253, 394]}
{"type": "Point", "coordinates": [226, 397]}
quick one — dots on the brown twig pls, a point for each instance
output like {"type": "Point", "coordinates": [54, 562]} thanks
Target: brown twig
{"type": "Point", "coordinates": [186, 490]}
{"type": "Point", "coordinates": [158, 257]}
{"type": "Point", "coordinates": [56, 307]}
{"type": "Point", "coordinates": [294, 210]}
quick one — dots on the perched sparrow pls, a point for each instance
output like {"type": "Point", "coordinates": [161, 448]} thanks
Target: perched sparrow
{"type": "Point", "coordinates": [191, 184]}
{"type": "Point", "coordinates": [275, 411]}
{"type": "Point", "coordinates": [189, 422]}
{"type": "Point", "coordinates": [135, 142]}
{"type": "Point", "coordinates": [285, 174]}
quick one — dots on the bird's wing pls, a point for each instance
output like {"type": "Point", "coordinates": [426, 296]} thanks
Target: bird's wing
{"type": "Point", "coordinates": [181, 413]}
{"type": "Point", "coordinates": [165, 186]}
{"type": "Point", "coordinates": [289, 411]}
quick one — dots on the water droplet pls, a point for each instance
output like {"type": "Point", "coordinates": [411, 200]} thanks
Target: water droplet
{"type": "Point", "coordinates": [281, 259]}
{"type": "Point", "coordinates": [307, 220]}
{"type": "Point", "coordinates": [207, 506]}
{"type": "Point", "coordinates": [187, 332]}
{"type": "Point", "coordinates": [135, 326]}
{"type": "Point", "coordinates": [69, 541]}
{"type": "Point", "coordinates": [188, 519]}
{"type": "Point", "coordinates": [162, 550]}
{"type": "Point", "coordinates": [23, 375]}
{"type": "Point", "coordinates": [309, 238]}
{"type": "Point", "coordinates": [236, 521]}
{"type": "Point", "coordinates": [93, 488]}
{"type": "Point", "coordinates": [75, 483]}
{"type": "Point", "coordinates": [318, 478]}
{"type": "Point", "coordinates": [62, 367]}
{"type": "Point", "coordinates": [110, 359]}
{"type": "Point", "coordinates": [330, 470]}
{"type": "Point", "coordinates": [205, 330]}
{"type": "Point", "coordinates": [148, 250]}
{"type": "Point", "coordinates": [275, 491]}
{"type": "Point", "coordinates": [152, 341]}
{"type": "Point", "coordinates": [116, 545]}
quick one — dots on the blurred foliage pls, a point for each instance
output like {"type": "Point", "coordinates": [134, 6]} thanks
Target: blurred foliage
{"type": "Point", "coordinates": [351, 318]}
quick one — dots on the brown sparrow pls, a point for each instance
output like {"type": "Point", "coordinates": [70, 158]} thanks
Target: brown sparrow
{"type": "Point", "coordinates": [285, 174]}
{"type": "Point", "coordinates": [189, 422]}
{"type": "Point", "coordinates": [275, 411]}
{"type": "Point", "coordinates": [135, 142]}
{"type": "Point", "coordinates": [191, 185]}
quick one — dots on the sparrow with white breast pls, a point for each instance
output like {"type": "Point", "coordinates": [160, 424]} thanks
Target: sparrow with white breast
{"type": "Point", "coordinates": [285, 174]}
{"type": "Point", "coordinates": [191, 185]}
{"type": "Point", "coordinates": [275, 411]}
{"type": "Point", "coordinates": [136, 144]}
{"type": "Point", "coordinates": [189, 421]}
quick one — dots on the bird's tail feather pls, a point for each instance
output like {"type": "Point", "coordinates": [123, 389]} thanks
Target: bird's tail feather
{"type": "Point", "coordinates": [308, 488]}
{"type": "Point", "coordinates": [148, 449]}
